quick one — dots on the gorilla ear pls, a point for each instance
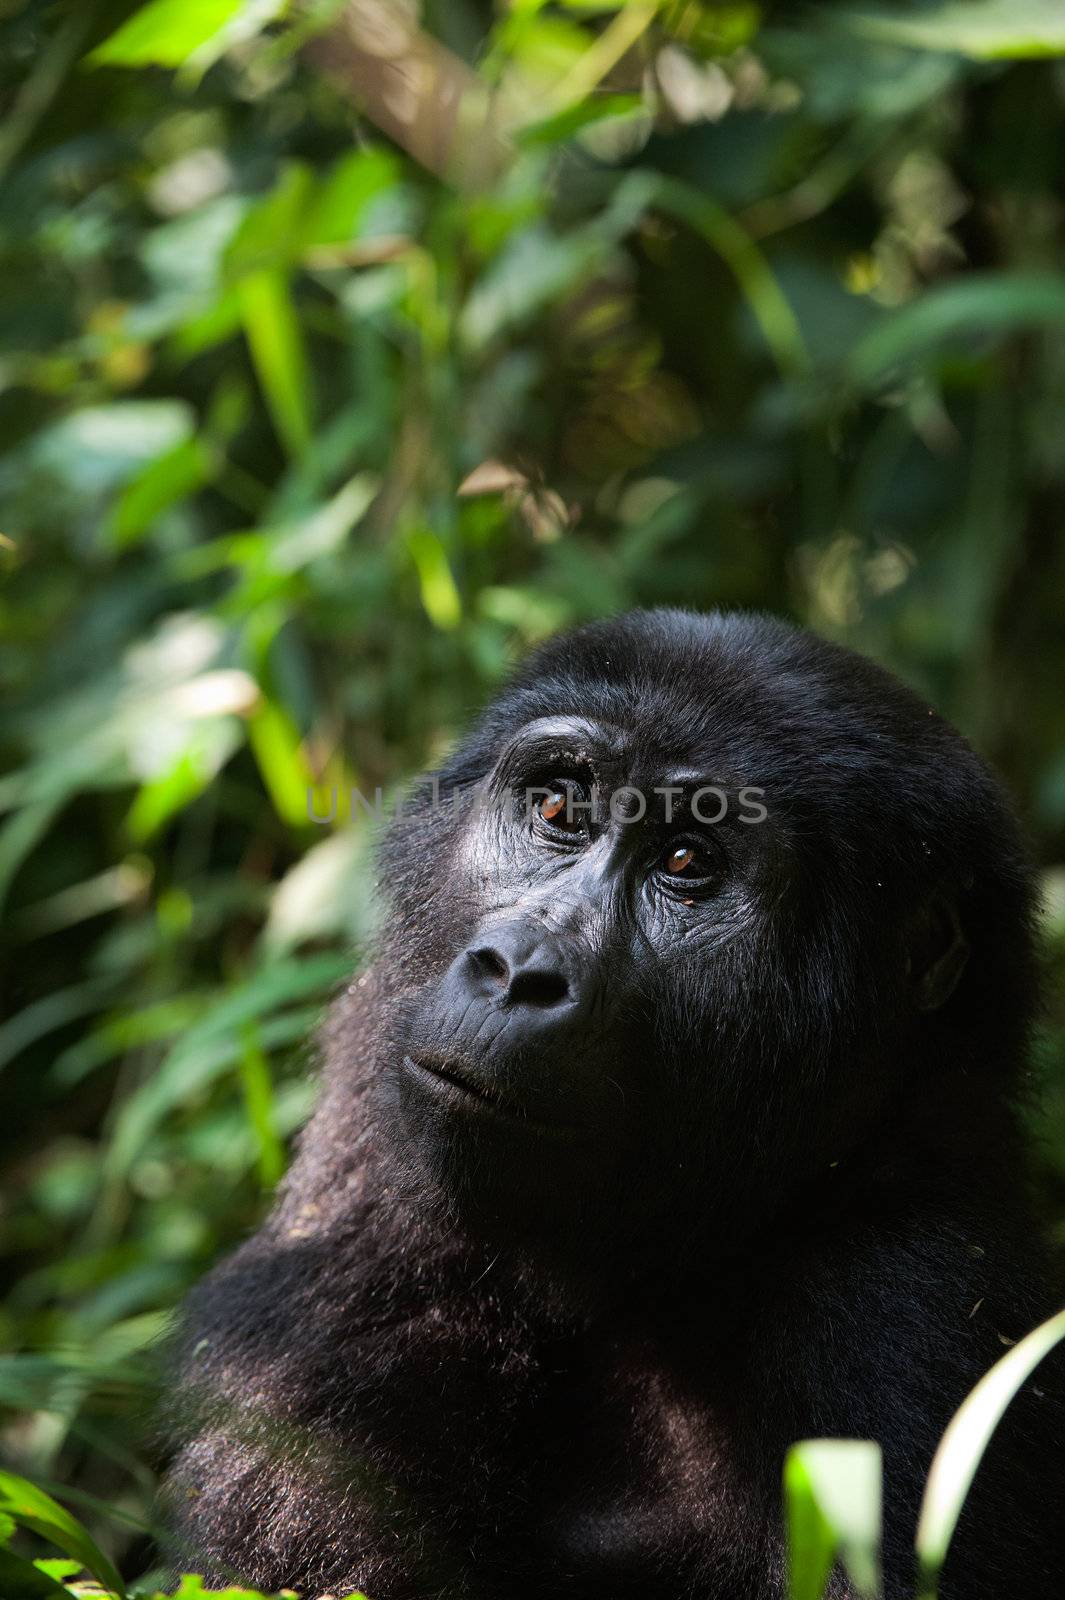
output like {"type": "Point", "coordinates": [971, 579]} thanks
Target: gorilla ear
{"type": "Point", "coordinates": [936, 953]}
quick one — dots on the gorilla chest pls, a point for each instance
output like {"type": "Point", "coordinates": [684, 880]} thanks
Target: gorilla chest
{"type": "Point", "coordinates": [638, 1480]}
{"type": "Point", "coordinates": [622, 1477]}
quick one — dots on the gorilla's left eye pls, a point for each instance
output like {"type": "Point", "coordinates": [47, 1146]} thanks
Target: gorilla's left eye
{"type": "Point", "coordinates": [687, 863]}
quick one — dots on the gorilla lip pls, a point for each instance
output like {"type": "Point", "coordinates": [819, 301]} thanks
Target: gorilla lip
{"type": "Point", "coordinates": [439, 1076]}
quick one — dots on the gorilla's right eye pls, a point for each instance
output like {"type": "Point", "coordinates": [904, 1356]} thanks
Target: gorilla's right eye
{"type": "Point", "coordinates": [561, 808]}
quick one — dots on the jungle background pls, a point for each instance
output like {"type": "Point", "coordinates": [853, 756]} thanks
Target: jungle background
{"type": "Point", "coordinates": [347, 350]}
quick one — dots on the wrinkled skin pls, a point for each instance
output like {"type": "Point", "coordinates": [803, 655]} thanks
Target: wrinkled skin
{"type": "Point", "coordinates": [645, 1147]}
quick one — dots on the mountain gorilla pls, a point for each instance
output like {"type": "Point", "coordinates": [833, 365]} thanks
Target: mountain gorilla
{"type": "Point", "coordinates": [673, 1122]}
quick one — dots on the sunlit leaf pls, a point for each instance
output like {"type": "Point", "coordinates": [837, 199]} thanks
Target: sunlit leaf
{"type": "Point", "coordinates": [206, 748]}
{"type": "Point", "coordinates": [348, 195]}
{"type": "Point", "coordinates": [193, 1587]}
{"type": "Point", "coordinates": [440, 597]}
{"type": "Point", "coordinates": [329, 890]}
{"type": "Point", "coordinates": [59, 1568]}
{"type": "Point", "coordinates": [169, 33]}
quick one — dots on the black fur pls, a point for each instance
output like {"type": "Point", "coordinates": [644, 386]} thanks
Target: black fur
{"type": "Point", "coordinates": [461, 1361]}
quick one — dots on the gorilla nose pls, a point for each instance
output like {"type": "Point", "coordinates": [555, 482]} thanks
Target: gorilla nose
{"type": "Point", "coordinates": [518, 968]}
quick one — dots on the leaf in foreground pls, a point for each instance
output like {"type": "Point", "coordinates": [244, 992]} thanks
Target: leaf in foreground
{"type": "Point", "coordinates": [833, 1493]}
{"type": "Point", "coordinates": [962, 1446]}
{"type": "Point", "coordinates": [31, 1508]}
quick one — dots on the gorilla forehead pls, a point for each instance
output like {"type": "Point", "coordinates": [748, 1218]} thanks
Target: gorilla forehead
{"type": "Point", "coordinates": [748, 697]}
{"type": "Point", "coordinates": [683, 682]}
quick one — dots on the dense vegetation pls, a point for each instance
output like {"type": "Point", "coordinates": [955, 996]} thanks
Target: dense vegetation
{"type": "Point", "coordinates": [319, 402]}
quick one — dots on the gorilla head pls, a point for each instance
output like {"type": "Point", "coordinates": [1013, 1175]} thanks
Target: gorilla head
{"type": "Point", "coordinates": [677, 923]}
{"type": "Point", "coordinates": [671, 1122]}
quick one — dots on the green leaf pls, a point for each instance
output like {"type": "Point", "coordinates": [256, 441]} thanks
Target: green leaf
{"type": "Point", "coordinates": [744, 259]}
{"type": "Point", "coordinates": [440, 597]}
{"type": "Point", "coordinates": [322, 531]}
{"type": "Point", "coordinates": [986, 30]}
{"type": "Point", "coordinates": [97, 448]}
{"type": "Point", "coordinates": [169, 478]}
{"type": "Point", "coordinates": [37, 1511]}
{"type": "Point", "coordinates": [535, 268]}
{"type": "Point", "coordinates": [59, 1568]}
{"type": "Point", "coordinates": [962, 1446]}
{"type": "Point", "coordinates": [271, 234]}
{"type": "Point", "coordinates": [811, 1541]}
{"type": "Point", "coordinates": [347, 193]}
{"type": "Point", "coordinates": [981, 304]}
{"type": "Point", "coordinates": [169, 33]}
{"type": "Point", "coordinates": [21, 833]}
{"type": "Point", "coordinates": [565, 123]}
{"type": "Point", "coordinates": [164, 33]}
{"type": "Point", "coordinates": [275, 742]}
{"type": "Point", "coordinates": [276, 343]}
{"type": "Point", "coordinates": [191, 1587]}
{"type": "Point", "coordinates": [259, 1103]}
{"type": "Point", "coordinates": [214, 1044]}
{"type": "Point", "coordinates": [208, 746]}
{"type": "Point", "coordinates": [53, 1010]}
{"type": "Point", "coordinates": [833, 1493]}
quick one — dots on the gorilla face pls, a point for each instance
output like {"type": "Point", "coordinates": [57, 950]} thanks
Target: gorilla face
{"type": "Point", "coordinates": [594, 883]}
{"type": "Point", "coordinates": [675, 942]}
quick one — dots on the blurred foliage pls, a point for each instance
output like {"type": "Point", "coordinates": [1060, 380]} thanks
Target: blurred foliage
{"type": "Point", "coordinates": [318, 403]}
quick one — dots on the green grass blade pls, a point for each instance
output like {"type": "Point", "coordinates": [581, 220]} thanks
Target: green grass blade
{"type": "Point", "coordinates": [33, 1509]}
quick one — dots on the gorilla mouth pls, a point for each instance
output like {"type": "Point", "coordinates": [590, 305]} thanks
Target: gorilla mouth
{"type": "Point", "coordinates": [449, 1073]}
{"type": "Point", "coordinates": [465, 1093]}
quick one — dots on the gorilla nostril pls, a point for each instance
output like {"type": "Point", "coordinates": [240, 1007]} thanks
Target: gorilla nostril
{"type": "Point", "coordinates": [515, 970]}
{"type": "Point", "coordinates": [537, 989]}
{"type": "Point", "coordinates": [491, 964]}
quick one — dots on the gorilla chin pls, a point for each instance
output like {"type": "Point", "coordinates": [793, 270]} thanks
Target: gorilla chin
{"type": "Point", "coordinates": [511, 1172]}
{"type": "Point", "coordinates": [653, 1139]}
